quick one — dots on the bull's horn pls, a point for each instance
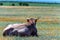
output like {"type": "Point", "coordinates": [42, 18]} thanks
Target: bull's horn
{"type": "Point", "coordinates": [28, 18]}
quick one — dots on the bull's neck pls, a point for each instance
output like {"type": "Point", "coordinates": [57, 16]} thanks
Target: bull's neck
{"type": "Point", "coordinates": [32, 26]}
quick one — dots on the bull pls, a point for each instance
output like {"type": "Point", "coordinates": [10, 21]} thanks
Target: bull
{"type": "Point", "coordinates": [25, 29]}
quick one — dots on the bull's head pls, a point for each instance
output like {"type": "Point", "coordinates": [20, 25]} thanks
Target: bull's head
{"type": "Point", "coordinates": [32, 20]}
{"type": "Point", "coordinates": [32, 26]}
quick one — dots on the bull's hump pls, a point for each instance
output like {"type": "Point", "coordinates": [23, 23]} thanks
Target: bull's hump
{"type": "Point", "coordinates": [8, 27]}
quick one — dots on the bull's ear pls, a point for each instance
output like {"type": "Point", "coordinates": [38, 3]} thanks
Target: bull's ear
{"type": "Point", "coordinates": [36, 20]}
{"type": "Point", "coordinates": [27, 19]}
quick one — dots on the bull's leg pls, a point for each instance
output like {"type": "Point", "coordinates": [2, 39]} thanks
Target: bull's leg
{"type": "Point", "coordinates": [34, 33]}
{"type": "Point", "coordinates": [15, 33]}
{"type": "Point", "coordinates": [26, 33]}
{"type": "Point", "coordinates": [23, 34]}
{"type": "Point", "coordinates": [8, 32]}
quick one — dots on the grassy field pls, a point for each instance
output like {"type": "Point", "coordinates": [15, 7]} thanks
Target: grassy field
{"type": "Point", "coordinates": [48, 25]}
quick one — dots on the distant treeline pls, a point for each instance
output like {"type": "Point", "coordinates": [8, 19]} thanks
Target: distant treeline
{"type": "Point", "coordinates": [13, 3]}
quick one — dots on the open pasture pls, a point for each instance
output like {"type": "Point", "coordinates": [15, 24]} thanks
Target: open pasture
{"type": "Point", "coordinates": [48, 25]}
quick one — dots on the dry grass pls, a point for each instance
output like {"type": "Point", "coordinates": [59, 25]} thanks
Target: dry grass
{"type": "Point", "coordinates": [44, 30]}
{"type": "Point", "coordinates": [22, 19]}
